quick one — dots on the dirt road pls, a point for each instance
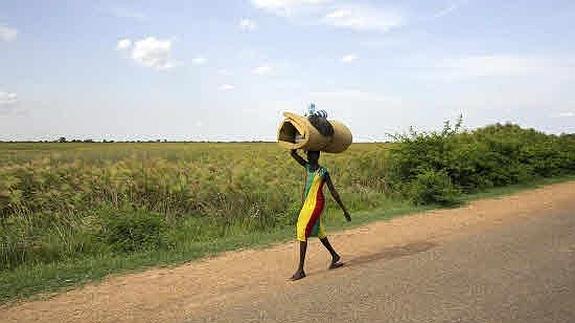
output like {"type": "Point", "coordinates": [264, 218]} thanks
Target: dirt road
{"type": "Point", "coordinates": [498, 260]}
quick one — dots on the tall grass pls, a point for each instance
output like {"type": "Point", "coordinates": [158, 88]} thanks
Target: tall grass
{"type": "Point", "coordinates": [64, 202]}
{"type": "Point", "coordinates": [78, 200]}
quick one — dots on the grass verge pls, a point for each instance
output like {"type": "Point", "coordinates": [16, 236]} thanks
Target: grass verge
{"type": "Point", "coordinates": [43, 280]}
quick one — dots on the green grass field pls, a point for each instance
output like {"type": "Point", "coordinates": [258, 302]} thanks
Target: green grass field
{"type": "Point", "coordinates": [71, 213]}
{"type": "Point", "coordinates": [75, 212]}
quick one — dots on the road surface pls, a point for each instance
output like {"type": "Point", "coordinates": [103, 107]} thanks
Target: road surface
{"type": "Point", "coordinates": [510, 259]}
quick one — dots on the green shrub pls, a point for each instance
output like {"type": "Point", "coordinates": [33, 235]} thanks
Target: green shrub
{"type": "Point", "coordinates": [495, 155]}
{"type": "Point", "coordinates": [433, 187]}
{"type": "Point", "coordinates": [134, 230]}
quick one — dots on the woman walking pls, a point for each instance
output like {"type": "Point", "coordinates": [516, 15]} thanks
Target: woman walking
{"type": "Point", "coordinates": [309, 222]}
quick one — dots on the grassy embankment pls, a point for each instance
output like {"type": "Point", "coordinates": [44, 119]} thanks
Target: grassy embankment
{"type": "Point", "coordinates": [72, 213]}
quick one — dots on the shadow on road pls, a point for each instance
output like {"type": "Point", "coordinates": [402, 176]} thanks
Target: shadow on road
{"type": "Point", "coordinates": [393, 252]}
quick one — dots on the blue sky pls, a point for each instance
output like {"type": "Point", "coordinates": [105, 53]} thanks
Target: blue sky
{"type": "Point", "coordinates": [225, 70]}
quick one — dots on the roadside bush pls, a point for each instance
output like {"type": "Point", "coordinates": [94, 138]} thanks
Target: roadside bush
{"type": "Point", "coordinates": [495, 155]}
{"type": "Point", "coordinates": [134, 230]}
{"type": "Point", "coordinates": [433, 187]}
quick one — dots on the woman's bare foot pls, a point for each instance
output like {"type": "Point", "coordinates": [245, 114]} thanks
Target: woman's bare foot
{"type": "Point", "coordinates": [298, 275]}
{"type": "Point", "coordinates": [335, 263]}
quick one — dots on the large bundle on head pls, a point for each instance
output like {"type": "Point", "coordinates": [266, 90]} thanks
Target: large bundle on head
{"type": "Point", "coordinates": [313, 133]}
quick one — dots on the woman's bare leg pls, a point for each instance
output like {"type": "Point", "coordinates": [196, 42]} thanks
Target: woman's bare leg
{"type": "Point", "coordinates": [300, 273]}
{"type": "Point", "coordinates": [334, 256]}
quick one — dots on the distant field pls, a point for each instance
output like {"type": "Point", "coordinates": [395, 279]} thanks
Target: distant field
{"type": "Point", "coordinates": [71, 212]}
{"type": "Point", "coordinates": [64, 200]}
{"type": "Point", "coordinates": [74, 212]}
{"type": "Point", "coordinates": [170, 178]}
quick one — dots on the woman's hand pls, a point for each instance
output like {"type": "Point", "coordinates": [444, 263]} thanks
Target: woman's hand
{"type": "Point", "coordinates": [347, 216]}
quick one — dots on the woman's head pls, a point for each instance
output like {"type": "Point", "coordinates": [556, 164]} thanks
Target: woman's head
{"type": "Point", "coordinates": [313, 156]}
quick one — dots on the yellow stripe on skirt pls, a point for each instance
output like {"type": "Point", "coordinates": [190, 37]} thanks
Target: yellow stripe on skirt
{"type": "Point", "coordinates": [309, 220]}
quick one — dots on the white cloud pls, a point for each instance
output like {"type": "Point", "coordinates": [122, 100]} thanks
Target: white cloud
{"type": "Point", "coordinates": [226, 87]}
{"type": "Point", "coordinates": [363, 18]}
{"type": "Point", "coordinates": [510, 67]}
{"type": "Point", "coordinates": [263, 69]}
{"type": "Point", "coordinates": [153, 53]}
{"type": "Point", "coordinates": [8, 98]}
{"type": "Point", "coordinates": [452, 7]}
{"type": "Point", "coordinates": [345, 15]}
{"type": "Point", "coordinates": [150, 52]}
{"type": "Point", "coordinates": [568, 114]}
{"type": "Point", "coordinates": [491, 65]}
{"type": "Point", "coordinates": [247, 25]}
{"type": "Point", "coordinates": [123, 43]}
{"type": "Point", "coordinates": [8, 34]}
{"type": "Point", "coordinates": [285, 7]}
{"type": "Point", "coordinates": [199, 60]}
{"type": "Point", "coordinates": [349, 58]}
{"type": "Point", "coordinates": [8, 102]}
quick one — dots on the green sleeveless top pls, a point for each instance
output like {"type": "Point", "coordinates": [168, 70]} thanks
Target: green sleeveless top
{"type": "Point", "coordinates": [310, 176]}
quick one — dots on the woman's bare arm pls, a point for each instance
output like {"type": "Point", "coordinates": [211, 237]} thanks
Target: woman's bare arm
{"type": "Point", "coordinates": [336, 197]}
{"type": "Point", "coordinates": [297, 157]}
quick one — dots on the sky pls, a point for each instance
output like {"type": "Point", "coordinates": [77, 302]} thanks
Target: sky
{"type": "Point", "coordinates": [226, 70]}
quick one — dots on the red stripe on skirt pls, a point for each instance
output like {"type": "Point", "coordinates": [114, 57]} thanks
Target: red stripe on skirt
{"type": "Point", "coordinates": [320, 201]}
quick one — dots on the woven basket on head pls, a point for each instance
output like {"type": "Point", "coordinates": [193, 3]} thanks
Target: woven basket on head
{"type": "Point", "coordinates": [296, 132]}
